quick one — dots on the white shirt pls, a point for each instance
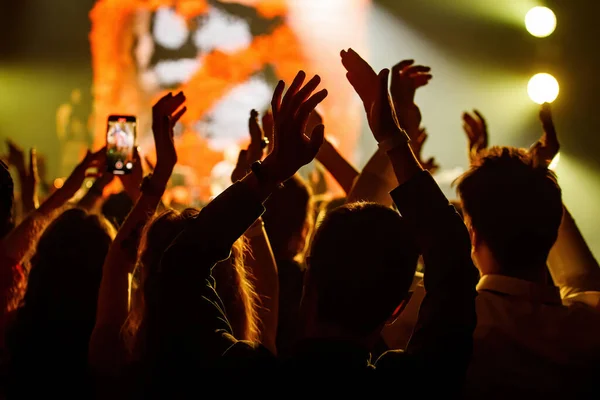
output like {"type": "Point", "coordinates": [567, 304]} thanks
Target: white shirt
{"type": "Point", "coordinates": [527, 341]}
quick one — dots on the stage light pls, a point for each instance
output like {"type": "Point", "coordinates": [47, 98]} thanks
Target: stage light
{"type": "Point", "coordinates": [543, 88]}
{"type": "Point", "coordinates": [540, 21]}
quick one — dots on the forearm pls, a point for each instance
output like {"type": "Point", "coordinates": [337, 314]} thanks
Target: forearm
{"type": "Point", "coordinates": [447, 316]}
{"type": "Point", "coordinates": [341, 170]}
{"type": "Point", "coordinates": [571, 263]}
{"type": "Point", "coordinates": [375, 181]}
{"type": "Point", "coordinates": [264, 269]}
{"type": "Point", "coordinates": [19, 242]}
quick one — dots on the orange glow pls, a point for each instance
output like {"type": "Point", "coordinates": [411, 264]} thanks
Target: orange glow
{"type": "Point", "coordinates": [117, 88]}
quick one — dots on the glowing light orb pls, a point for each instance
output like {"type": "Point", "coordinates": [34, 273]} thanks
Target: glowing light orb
{"type": "Point", "coordinates": [543, 88]}
{"type": "Point", "coordinates": [540, 21]}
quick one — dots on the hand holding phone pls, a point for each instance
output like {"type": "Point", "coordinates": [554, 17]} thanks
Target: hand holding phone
{"type": "Point", "coordinates": [120, 143]}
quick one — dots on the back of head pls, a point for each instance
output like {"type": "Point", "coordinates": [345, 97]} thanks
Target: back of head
{"type": "Point", "coordinates": [288, 218]}
{"type": "Point", "coordinates": [6, 200]}
{"type": "Point", "coordinates": [513, 206]}
{"type": "Point", "coordinates": [116, 208]}
{"type": "Point", "coordinates": [362, 262]}
{"type": "Point", "coordinates": [58, 310]}
{"type": "Point", "coordinates": [233, 284]}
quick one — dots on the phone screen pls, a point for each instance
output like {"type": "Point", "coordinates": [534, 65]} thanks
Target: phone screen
{"type": "Point", "coordinates": [120, 142]}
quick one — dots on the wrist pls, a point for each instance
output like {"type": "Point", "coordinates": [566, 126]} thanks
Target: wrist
{"type": "Point", "coordinates": [393, 139]}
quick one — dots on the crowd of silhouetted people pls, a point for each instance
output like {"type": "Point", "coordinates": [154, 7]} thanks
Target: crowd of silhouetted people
{"type": "Point", "coordinates": [493, 295]}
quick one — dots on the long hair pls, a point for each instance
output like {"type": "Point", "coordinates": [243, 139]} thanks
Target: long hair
{"type": "Point", "coordinates": [58, 311]}
{"type": "Point", "coordinates": [233, 283]}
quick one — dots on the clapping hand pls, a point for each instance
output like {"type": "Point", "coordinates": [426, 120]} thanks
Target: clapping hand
{"type": "Point", "coordinates": [475, 127]}
{"type": "Point", "coordinates": [292, 149]}
{"type": "Point", "coordinates": [373, 91]}
{"type": "Point", "coordinates": [406, 79]}
{"type": "Point", "coordinates": [164, 118]}
{"type": "Point", "coordinates": [545, 149]}
{"type": "Point", "coordinates": [75, 180]}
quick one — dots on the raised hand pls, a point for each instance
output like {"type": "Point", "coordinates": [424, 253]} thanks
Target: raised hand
{"type": "Point", "coordinates": [75, 180]}
{"type": "Point", "coordinates": [373, 91]}
{"type": "Point", "coordinates": [475, 127]}
{"type": "Point", "coordinates": [256, 146]}
{"type": "Point", "coordinates": [292, 149]}
{"type": "Point", "coordinates": [267, 124]}
{"type": "Point", "coordinates": [132, 182]}
{"type": "Point", "coordinates": [164, 118]}
{"type": "Point", "coordinates": [417, 147]}
{"type": "Point", "coordinates": [16, 156]}
{"type": "Point", "coordinates": [545, 149]}
{"type": "Point", "coordinates": [406, 79]}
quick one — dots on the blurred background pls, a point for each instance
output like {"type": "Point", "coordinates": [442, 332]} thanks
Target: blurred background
{"type": "Point", "coordinates": [481, 54]}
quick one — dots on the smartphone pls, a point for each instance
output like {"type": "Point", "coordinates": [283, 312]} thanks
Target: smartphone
{"type": "Point", "coordinates": [121, 132]}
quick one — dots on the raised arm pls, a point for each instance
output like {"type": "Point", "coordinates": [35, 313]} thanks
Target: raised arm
{"type": "Point", "coordinates": [208, 239]}
{"type": "Point", "coordinates": [571, 263]}
{"type": "Point", "coordinates": [378, 178]}
{"type": "Point", "coordinates": [260, 259]}
{"type": "Point", "coordinates": [105, 350]}
{"type": "Point", "coordinates": [442, 342]}
{"type": "Point", "coordinates": [18, 243]}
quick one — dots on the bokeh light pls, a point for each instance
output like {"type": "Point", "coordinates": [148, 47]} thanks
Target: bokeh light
{"type": "Point", "coordinates": [543, 88]}
{"type": "Point", "coordinates": [540, 21]}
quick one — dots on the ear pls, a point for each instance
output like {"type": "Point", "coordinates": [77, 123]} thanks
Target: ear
{"type": "Point", "coordinates": [396, 314]}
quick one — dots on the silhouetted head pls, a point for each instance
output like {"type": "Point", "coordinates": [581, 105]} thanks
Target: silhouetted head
{"type": "Point", "coordinates": [116, 208]}
{"type": "Point", "coordinates": [288, 218]}
{"type": "Point", "coordinates": [513, 210]}
{"type": "Point", "coordinates": [6, 200]}
{"type": "Point", "coordinates": [233, 282]}
{"type": "Point", "coordinates": [58, 312]}
{"type": "Point", "coordinates": [361, 265]}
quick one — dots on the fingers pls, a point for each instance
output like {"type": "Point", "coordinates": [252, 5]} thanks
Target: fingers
{"type": "Point", "coordinates": [178, 115]}
{"type": "Point", "coordinates": [276, 99]}
{"type": "Point", "coordinates": [471, 122]}
{"type": "Point", "coordinates": [305, 92]}
{"type": "Point", "coordinates": [309, 105]}
{"type": "Point", "coordinates": [401, 66]}
{"type": "Point", "coordinates": [421, 80]}
{"type": "Point", "coordinates": [33, 168]}
{"type": "Point", "coordinates": [317, 137]}
{"type": "Point", "coordinates": [416, 69]}
{"type": "Point", "coordinates": [290, 94]}
{"type": "Point", "coordinates": [480, 116]}
{"type": "Point", "coordinates": [256, 133]}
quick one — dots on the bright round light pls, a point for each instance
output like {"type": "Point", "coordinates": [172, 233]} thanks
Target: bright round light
{"type": "Point", "coordinates": [543, 88]}
{"type": "Point", "coordinates": [540, 21]}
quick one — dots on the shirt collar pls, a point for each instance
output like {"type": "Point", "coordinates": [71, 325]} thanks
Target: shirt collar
{"type": "Point", "coordinates": [531, 291]}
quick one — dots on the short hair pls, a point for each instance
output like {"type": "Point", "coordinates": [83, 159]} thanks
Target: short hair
{"type": "Point", "coordinates": [288, 213]}
{"type": "Point", "coordinates": [362, 262]}
{"type": "Point", "coordinates": [6, 200]}
{"type": "Point", "coordinates": [513, 205]}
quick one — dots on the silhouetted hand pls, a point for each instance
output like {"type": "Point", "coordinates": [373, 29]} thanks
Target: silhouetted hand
{"type": "Point", "coordinates": [417, 146]}
{"type": "Point", "coordinates": [255, 148]}
{"type": "Point", "coordinates": [132, 182]}
{"type": "Point", "coordinates": [16, 156]}
{"type": "Point", "coordinates": [292, 149]}
{"type": "Point", "coordinates": [406, 79]}
{"type": "Point", "coordinates": [475, 127]}
{"type": "Point", "coordinates": [373, 91]}
{"type": "Point", "coordinates": [545, 149]}
{"type": "Point", "coordinates": [164, 118]}
{"type": "Point", "coordinates": [75, 180]}
{"type": "Point", "coordinates": [29, 184]}
{"type": "Point", "coordinates": [267, 124]}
